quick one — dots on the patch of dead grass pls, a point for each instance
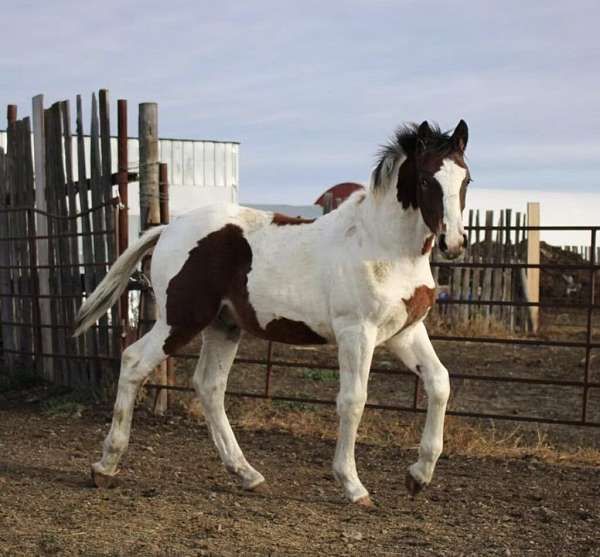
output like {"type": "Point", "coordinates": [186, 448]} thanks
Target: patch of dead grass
{"type": "Point", "coordinates": [462, 437]}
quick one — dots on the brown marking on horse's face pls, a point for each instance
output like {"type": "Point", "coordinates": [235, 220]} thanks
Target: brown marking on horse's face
{"type": "Point", "coordinates": [217, 270]}
{"type": "Point", "coordinates": [360, 197]}
{"type": "Point", "coordinates": [427, 245]}
{"type": "Point", "coordinates": [283, 220]}
{"type": "Point", "coordinates": [418, 304]}
{"type": "Point", "coordinates": [425, 151]}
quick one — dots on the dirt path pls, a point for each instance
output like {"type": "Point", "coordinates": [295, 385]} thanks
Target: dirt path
{"type": "Point", "coordinates": [174, 498]}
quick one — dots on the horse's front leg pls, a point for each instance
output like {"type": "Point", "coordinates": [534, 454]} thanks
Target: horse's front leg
{"type": "Point", "coordinates": [417, 353]}
{"type": "Point", "coordinates": [355, 352]}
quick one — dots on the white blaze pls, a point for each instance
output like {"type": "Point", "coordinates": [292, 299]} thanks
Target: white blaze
{"type": "Point", "coordinates": [450, 177]}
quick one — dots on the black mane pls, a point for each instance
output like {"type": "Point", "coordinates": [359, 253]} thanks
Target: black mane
{"type": "Point", "coordinates": [404, 143]}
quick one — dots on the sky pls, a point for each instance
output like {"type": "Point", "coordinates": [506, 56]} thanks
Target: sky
{"type": "Point", "coordinates": [311, 89]}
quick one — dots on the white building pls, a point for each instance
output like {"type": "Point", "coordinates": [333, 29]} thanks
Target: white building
{"type": "Point", "coordinates": [200, 172]}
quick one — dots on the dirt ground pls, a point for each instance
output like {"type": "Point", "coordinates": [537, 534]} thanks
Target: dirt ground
{"type": "Point", "coordinates": [174, 497]}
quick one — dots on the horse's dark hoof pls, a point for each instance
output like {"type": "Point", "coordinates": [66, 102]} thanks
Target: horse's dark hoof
{"type": "Point", "coordinates": [102, 481]}
{"type": "Point", "coordinates": [365, 502]}
{"type": "Point", "coordinates": [413, 486]}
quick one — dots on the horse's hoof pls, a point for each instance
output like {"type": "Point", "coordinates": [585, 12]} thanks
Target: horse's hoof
{"type": "Point", "coordinates": [102, 481]}
{"type": "Point", "coordinates": [259, 488]}
{"type": "Point", "coordinates": [365, 502]}
{"type": "Point", "coordinates": [413, 486]}
{"type": "Point", "coordinates": [256, 484]}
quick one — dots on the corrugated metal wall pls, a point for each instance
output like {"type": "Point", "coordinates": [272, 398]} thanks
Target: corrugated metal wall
{"type": "Point", "coordinates": [190, 162]}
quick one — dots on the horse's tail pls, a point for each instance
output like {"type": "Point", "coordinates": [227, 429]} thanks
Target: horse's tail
{"type": "Point", "coordinates": [115, 282]}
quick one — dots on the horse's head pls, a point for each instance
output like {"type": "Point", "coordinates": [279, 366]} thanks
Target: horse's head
{"type": "Point", "coordinates": [442, 178]}
{"type": "Point", "coordinates": [431, 175]}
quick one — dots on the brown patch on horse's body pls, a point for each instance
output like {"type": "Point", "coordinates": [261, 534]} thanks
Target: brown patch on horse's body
{"type": "Point", "coordinates": [280, 219]}
{"type": "Point", "coordinates": [427, 245]}
{"type": "Point", "coordinates": [217, 270]}
{"type": "Point", "coordinates": [418, 304]}
{"type": "Point", "coordinates": [291, 332]}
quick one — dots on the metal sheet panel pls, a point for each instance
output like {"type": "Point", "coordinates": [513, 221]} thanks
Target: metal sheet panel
{"type": "Point", "coordinates": [199, 163]}
{"type": "Point", "coordinates": [209, 164]}
{"type": "Point", "coordinates": [190, 162]}
{"type": "Point", "coordinates": [177, 162]}
{"type": "Point", "coordinates": [219, 164]}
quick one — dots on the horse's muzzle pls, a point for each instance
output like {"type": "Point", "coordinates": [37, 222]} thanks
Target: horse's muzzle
{"type": "Point", "coordinates": [452, 252]}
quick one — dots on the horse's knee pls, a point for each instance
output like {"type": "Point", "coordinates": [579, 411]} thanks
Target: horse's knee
{"type": "Point", "coordinates": [437, 385]}
{"type": "Point", "coordinates": [209, 392]}
{"type": "Point", "coordinates": [351, 404]}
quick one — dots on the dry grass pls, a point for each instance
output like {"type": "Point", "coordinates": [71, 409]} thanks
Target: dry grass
{"type": "Point", "coordinates": [490, 440]}
{"type": "Point", "coordinates": [476, 326]}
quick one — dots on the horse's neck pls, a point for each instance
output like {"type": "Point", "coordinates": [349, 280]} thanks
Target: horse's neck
{"type": "Point", "coordinates": [399, 233]}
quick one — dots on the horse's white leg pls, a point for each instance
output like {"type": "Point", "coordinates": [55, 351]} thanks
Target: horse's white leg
{"type": "Point", "coordinates": [219, 347]}
{"type": "Point", "coordinates": [137, 362]}
{"type": "Point", "coordinates": [355, 352]}
{"type": "Point", "coordinates": [417, 353]}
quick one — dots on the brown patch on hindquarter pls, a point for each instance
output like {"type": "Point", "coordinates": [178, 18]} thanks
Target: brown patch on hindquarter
{"type": "Point", "coordinates": [217, 266]}
{"type": "Point", "coordinates": [217, 269]}
{"type": "Point", "coordinates": [418, 304]}
{"type": "Point", "coordinates": [280, 219]}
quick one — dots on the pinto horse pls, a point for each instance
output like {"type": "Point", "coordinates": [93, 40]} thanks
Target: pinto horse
{"type": "Point", "coordinates": [223, 269]}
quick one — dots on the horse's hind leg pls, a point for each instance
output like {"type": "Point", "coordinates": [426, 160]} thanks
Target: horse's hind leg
{"type": "Point", "coordinates": [138, 361]}
{"type": "Point", "coordinates": [219, 347]}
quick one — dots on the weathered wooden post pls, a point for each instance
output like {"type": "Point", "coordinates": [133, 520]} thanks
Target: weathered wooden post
{"type": "Point", "coordinates": [39, 147]}
{"type": "Point", "coordinates": [533, 258]}
{"type": "Point", "coordinates": [150, 216]}
{"type": "Point", "coordinates": [164, 219]}
{"type": "Point", "coordinates": [123, 218]}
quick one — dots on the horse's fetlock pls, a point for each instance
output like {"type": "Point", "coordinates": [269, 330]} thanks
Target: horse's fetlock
{"type": "Point", "coordinates": [117, 442]}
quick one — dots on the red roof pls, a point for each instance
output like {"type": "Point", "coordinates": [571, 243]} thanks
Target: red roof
{"type": "Point", "coordinates": [340, 191]}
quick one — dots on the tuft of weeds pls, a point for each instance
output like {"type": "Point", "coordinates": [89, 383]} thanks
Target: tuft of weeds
{"type": "Point", "coordinates": [18, 380]}
{"type": "Point", "coordinates": [49, 544]}
{"type": "Point", "coordinates": [67, 404]}
{"type": "Point", "coordinates": [325, 375]}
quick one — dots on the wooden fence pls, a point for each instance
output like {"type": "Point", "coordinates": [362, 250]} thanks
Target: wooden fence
{"type": "Point", "coordinates": [506, 244]}
{"type": "Point", "coordinates": [59, 237]}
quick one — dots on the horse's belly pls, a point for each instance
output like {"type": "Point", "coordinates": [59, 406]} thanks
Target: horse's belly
{"type": "Point", "coordinates": [288, 303]}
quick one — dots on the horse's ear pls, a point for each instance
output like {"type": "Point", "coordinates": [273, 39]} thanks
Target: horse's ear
{"type": "Point", "coordinates": [461, 136]}
{"type": "Point", "coordinates": [423, 134]}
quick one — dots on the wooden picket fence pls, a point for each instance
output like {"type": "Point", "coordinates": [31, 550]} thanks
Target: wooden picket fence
{"type": "Point", "coordinates": [466, 285]}
{"type": "Point", "coordinates": [59, 237]}
{"type": "Point", "coordinates": [584, 251]}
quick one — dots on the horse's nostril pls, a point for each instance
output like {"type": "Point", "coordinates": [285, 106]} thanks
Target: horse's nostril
{"type": "Point", "coordinates": [443, 244]}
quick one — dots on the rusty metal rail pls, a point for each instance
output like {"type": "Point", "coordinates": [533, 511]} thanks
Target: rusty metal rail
{"type": "Point", "coordinates": [585, 384]}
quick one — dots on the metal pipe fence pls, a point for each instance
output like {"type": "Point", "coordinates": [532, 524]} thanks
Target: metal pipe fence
{"type": "Point", "coordinates": [584, 384]}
